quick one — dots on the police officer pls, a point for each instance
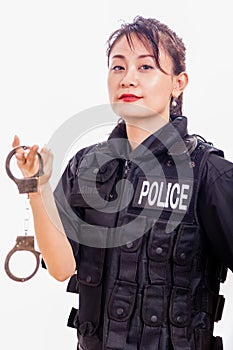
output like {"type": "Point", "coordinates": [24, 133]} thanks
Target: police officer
{"type": "Point", "coordinates": [144, 230]}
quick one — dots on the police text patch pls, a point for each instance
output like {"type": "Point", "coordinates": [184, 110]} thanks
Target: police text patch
{"type": "Point", "coordinates": [163, 194]}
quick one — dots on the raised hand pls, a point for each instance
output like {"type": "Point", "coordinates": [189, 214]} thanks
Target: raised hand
{"type": "Point", "coordinates": [28, 161]}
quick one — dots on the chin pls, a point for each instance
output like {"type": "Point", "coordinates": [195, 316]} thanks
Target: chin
{"type": "Point", "coordinates": [130, 110]}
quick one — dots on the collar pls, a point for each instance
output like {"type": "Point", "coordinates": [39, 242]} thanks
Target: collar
{"type": "Point", "coordinates": [161, 141]}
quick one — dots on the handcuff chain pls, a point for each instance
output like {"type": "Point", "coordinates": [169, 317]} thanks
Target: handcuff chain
{"type": "Point", "coordinates": [27, 215]}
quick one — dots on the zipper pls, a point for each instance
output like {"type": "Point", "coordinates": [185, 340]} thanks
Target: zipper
{"type": "Point", "coordinates": [126, 168]}
{"type": "Point", "coordinates": [125, 173]}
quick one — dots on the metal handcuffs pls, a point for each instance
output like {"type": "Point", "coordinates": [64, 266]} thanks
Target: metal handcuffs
{"type": "Point", "coordinates": [23, 243]}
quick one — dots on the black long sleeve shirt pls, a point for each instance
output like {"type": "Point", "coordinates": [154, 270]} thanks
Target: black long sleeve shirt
{"type": "Point", "coordinates": [215, 207]}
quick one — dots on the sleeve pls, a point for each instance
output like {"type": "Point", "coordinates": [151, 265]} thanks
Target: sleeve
{"type": "Point", "coordinates": [215, 207]}
{"type": "Point", "coordinates": [70, 219]}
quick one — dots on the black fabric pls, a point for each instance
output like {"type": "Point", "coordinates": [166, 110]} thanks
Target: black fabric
{"type": "Point", "coordinates": [215, 207]}
{"type": "Point", "coordinates": [159, 289]}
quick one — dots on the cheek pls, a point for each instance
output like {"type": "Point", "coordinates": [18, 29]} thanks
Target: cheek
{"type": "Point", "coordinates": [163, 92]}
{"type": "Point", "coordinates": [112, 86]}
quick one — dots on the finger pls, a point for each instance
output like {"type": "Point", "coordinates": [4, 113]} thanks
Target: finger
{"type": "Point", "coordinates": [45, 152]}
{"type": "Point", "coordinates": [20, 156]}
{"type": "Point", "coordinates": [32, 154]}
{"type": "Point", "coordinates": [49, 158]}
{"type": "Point", "coordinates": [16, 141]}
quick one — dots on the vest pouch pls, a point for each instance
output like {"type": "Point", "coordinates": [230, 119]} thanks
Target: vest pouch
{"type": "Point", "coordinates": [90, 265]}
{"type": "Point", "coordinates": [93, 186]}
{"type": "Point", "coordinates": [90, 272]}
{"type": "Point", "coordinates": [159, 251]}
{"type": "Point", "coordinates": [120, 308]}
{"type": "Point", "coordinates": [185, 245]}
{"type": "Point", "coordinates": [122, 301]}
{"type": "Point", "coordinates": [154, 305]}
{"type": "Point", "coordinates": [180, 306]}
{"type": "Point", "coordinates": [160, 242]}
{"type": "Point", "coordinates": [133, 227]}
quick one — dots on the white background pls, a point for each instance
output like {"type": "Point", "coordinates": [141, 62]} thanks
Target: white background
{"type": "Point", "coordinates": [53, 65]}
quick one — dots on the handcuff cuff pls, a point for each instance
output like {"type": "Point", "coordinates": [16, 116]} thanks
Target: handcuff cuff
{"type": "Point", "coordinates": [24, 243]}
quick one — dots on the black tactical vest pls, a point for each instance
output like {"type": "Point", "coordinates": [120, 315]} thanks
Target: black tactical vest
{"type": "Point", "coordinates": [159, 288]}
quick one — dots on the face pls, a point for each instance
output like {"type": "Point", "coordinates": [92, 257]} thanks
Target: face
{"type": "Point", "coordinates": [137, 88]}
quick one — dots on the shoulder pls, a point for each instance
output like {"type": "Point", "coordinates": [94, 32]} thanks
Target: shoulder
{"type": "Point", "coordinates": [86, 156]}
{"type": "Point", "coordinates": [217, 167]}
{"type": "Point", "coordinates": [74, 162]}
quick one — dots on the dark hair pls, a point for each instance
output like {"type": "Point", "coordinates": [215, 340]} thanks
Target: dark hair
{"type": "Point", "coordinates": [155, 34]}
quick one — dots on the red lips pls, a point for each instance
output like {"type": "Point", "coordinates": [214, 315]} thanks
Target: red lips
{"type": "Point", "coordinates": [129, 98]}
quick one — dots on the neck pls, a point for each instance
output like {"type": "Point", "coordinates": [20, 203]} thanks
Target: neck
{"type": "Point", "coordinates": [138, 129]}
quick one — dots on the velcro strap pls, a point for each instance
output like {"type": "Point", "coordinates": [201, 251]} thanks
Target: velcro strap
{"type": "Point", "coordinates": [72, 286]}
{"type": "Point", "coordinates": [223, 273]}
{"type": "Point", "coordinates": [219, 308]}
{"type": "Point", "coordinates": [73, 318]}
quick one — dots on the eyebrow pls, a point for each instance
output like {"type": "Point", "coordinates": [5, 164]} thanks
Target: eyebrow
{"type": "Point", "coordinates": [140, 56]}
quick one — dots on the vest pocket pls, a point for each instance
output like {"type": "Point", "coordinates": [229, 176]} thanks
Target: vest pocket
{"type": "Point", "coordinates": [90, 272]}
{"type": "Point", "coordinates": [154, 305]}
{"type": "Point", "coordinates": [160, 243]}
{"type": "Point", "coordinates": [93, 186]}
{"type": "Point", "coordinates": [185, 245]}
{"type": "Point", "coordinates": [122, 301]}
{"type": "Point", "coordinates": [90, 265]}
{"type": "Point", "coordinates": [180, 306]}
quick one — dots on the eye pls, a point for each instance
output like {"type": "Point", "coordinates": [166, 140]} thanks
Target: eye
{"type": "Point", "coordinates": [117, 68]}
{"type": "Point", "coordinates": [146, 67]}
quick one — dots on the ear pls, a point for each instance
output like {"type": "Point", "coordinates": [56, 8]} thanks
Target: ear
{"type": "Point", "coordinates": [179, 82]}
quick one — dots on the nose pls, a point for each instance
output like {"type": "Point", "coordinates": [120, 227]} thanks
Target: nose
{"type": "Point", "coordinates": [127, 83]}
{"type": "Point", "coordinates": [129, 80]}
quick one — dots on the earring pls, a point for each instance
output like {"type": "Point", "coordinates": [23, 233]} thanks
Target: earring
{"type": "Point", "coordinates": [174, 103]}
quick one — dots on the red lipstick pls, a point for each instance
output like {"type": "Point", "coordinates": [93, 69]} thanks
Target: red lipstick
{"type": "Point", "coordinates": [129, 97]}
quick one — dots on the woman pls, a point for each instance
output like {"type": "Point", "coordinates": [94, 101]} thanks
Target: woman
{"type": "Point", "coordinates": [144, 217]}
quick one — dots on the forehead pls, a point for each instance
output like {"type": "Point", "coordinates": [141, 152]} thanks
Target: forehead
{"type": "Point", "coordinates": [134, 45]}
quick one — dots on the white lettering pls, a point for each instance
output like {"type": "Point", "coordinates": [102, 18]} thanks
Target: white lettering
{"type": "Point", "coordinates": [164, 195]}
{"type": "Point", "coordinates": [160, 203]}
{"type": "Point", "coordinates": [168, 193]}
{"type": "Point", "coordinates": [150, 200]}
{"type": "Point", "coordinates": [183, 196]}
{"type": "Point", "coordinates": [172, 203]}
{"type": "Point", "coordinates": [144, 190]}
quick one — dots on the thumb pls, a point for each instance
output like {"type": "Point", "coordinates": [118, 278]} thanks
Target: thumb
{"type": "Point", "coordinates": [16, 141]}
